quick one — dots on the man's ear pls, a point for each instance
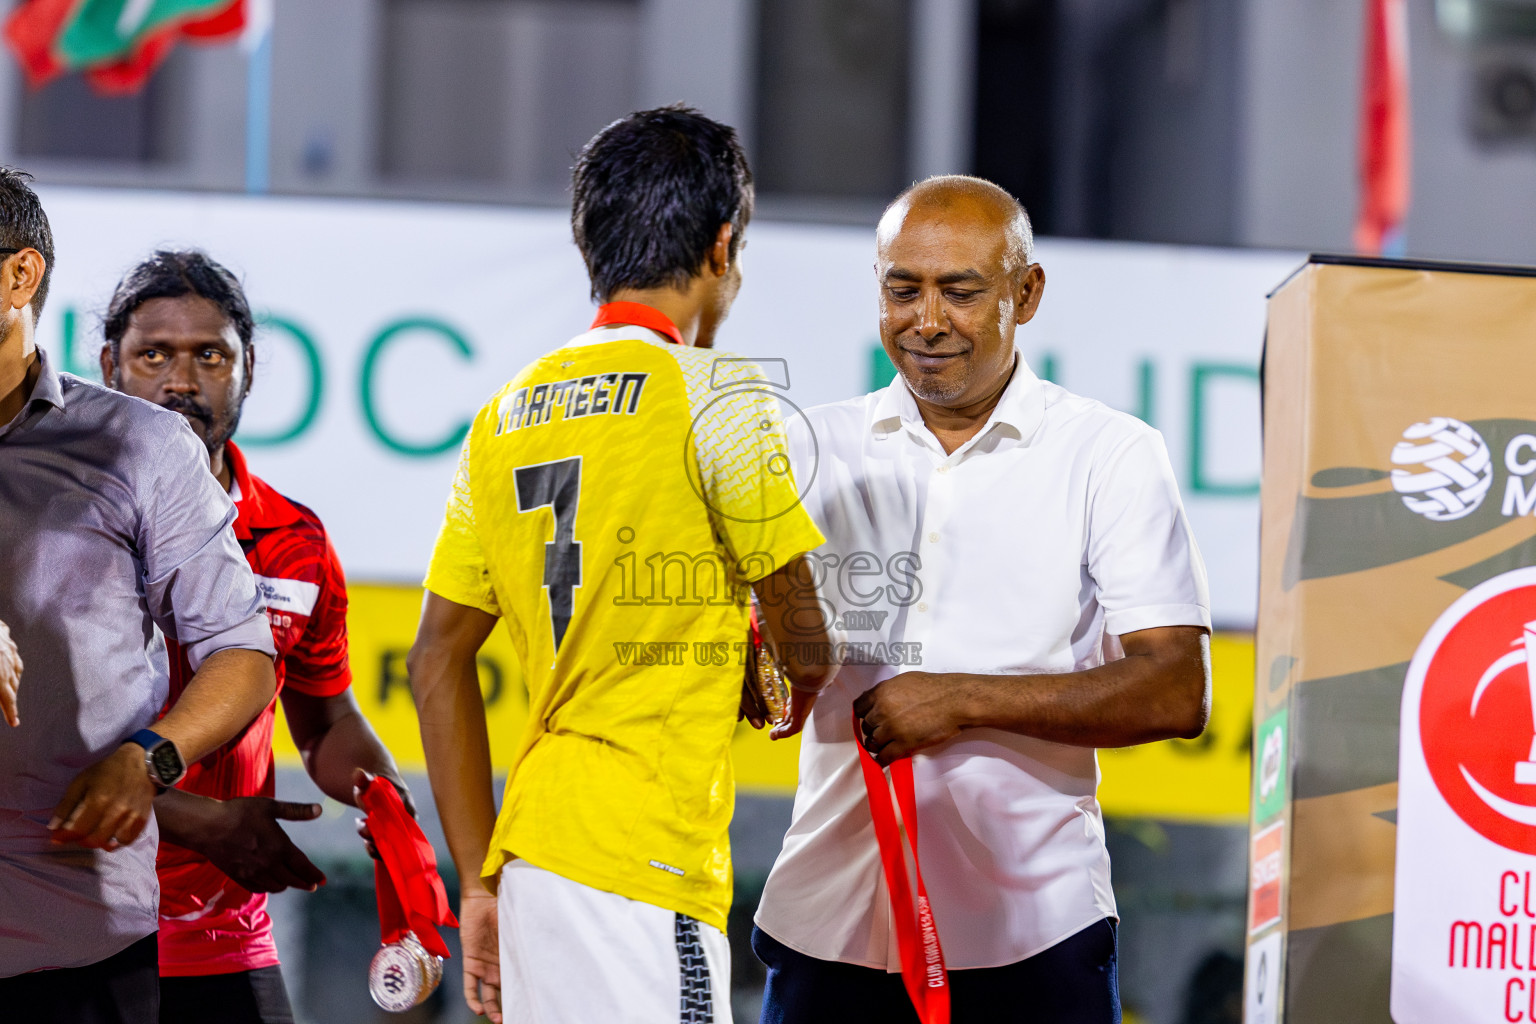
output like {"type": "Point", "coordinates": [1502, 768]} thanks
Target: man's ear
{"type": "Point", "coordinates": [108, 364]}
{"type": "Point", "coordinates": [720, 252]}
{"type": "Point", "coordinates": [23, 274]}
{"type": "Point", "coordinates": [1027, 297]}
{"type": "Point", "coordinates": [248, 353]}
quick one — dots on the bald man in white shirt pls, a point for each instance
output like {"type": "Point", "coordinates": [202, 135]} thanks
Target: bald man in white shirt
{"type": "Point", "coordinates": [1028, 546]}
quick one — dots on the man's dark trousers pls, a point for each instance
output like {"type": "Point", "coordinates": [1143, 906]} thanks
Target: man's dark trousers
{"type": "Point", "coordinates": [122, 989]}
{"type": "Point", "coordinates": [1076, 981]}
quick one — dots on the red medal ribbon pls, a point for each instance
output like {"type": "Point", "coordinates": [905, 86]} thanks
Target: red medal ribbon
{"type": "Point", "coordinates": [637, 314]}
{"type": "Point", "coordinates": [917, 938]}
{"type": "Point", "coordinates": [410, 891]}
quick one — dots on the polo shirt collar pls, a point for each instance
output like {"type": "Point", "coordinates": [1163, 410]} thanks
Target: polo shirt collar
{"type": "Point", "coordinates": [260, 507]}
{"type": "Point", "coordinates": [1020, 410]}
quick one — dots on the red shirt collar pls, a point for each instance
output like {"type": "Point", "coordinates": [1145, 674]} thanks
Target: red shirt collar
{"type": "Point", "coordinates": [259, 507]}
{"type": "Point", "coordinates": [637, 314]}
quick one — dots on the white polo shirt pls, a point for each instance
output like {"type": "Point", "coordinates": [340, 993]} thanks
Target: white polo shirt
{"type": "Point", "coordinates": [1030, 549]}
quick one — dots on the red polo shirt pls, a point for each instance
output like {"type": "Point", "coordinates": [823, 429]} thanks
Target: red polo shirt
{"type": "Point", "coordinates": [208, 923]}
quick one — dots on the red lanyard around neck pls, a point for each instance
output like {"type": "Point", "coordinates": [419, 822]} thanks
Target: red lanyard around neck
{"type": "Point", "coordinates": [638, 314]}
{"type": "Point", "coordinates": [917, 938]}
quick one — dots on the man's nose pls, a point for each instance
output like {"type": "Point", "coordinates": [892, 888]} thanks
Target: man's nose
{"type": "Point", "coordinates": [932, 320]}
{"type": "Point", "coordinates": [181, 378]}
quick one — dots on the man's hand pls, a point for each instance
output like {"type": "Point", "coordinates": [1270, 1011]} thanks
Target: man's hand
{"type": "Point", "coordinates": [243, 839]}
{"type": "Point", "coordinates": [360, 778]}
{"type": "Point", "coordinates": [10, 677]}
{"type": "Point", "coordinates": [800, 704]}
{"type": "Point", "coordinates": [908, 712]}
{"type": "Point", "coordinates": [751, 709]}
{"type": "Point", "coordinates": [479, 939]}
{"type": "Point", "coordinates": [108, 804]}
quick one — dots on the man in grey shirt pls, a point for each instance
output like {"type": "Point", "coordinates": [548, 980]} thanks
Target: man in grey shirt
{"type": "Point", "coordinates": [110, 527]}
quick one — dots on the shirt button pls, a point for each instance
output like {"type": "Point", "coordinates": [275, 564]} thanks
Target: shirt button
{"type": "Point", "coordinates": [943, 469]}
{"type": "Point", "coordinates": [922, 606]}
{"type": "Point", "coordinates": [933, 538]}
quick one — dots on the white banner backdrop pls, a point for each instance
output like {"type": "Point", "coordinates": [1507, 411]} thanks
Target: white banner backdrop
{"type": "Point", "coordinates": [388, 324]}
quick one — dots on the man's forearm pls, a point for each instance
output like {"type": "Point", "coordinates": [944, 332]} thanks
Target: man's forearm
{"type": "Point", "coordinates": [795, 620]}
{"type": "Point", "coordinates": [446, 686]}
{"type": "Point", "coordinates": [1160, 690]}
{"type": "Point", "coordinates": [183, 816]}
{"type": "Point", "coordinates": [1140, 698]}
{"type": "Point", "coordinates": [225, 695]}
{"type": "Point", "coordinates": [458, 754]}
{"type": "Point", "coordinates": [335, 739]}
{"type": "Point", "coordinates": [348, 745]}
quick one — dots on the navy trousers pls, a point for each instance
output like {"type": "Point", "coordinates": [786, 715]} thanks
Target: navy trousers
{"type": "Point", "coordinates": [122, 989]}
{"type": "Point", "coordinates": [1076, 981]}
{"type": "Point", "coordinates": [257, 996]}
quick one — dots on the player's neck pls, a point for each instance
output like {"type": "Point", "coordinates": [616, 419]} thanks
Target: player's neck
{"type": "Point", "coordinates": [19, 370]}
{"type": "Point", "coordinates": [687, 308]}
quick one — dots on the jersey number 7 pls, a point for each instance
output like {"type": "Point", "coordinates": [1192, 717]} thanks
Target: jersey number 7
{"type": "Point", "coordinates": [558, 486]}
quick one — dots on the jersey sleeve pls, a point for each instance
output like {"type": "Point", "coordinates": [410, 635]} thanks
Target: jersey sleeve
{"type": "Point", "coordinates": [744, 470]}
{"type": "Point", "coordinates": [458, 571]}
{"type": "Point", "coordinates": [1141, 552]}
{"type": "Point", "coordinates": [317, 665]}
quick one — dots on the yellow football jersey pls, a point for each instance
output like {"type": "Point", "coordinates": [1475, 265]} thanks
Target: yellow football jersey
{"type": "Point", "coordinates": [612, 504]}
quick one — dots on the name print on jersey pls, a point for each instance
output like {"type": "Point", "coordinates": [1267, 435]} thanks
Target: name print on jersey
{"type": "Point", "coordinates": [534, 406]}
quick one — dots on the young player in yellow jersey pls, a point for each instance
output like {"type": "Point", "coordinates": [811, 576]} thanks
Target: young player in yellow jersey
{"type": "Point", "coordinates": [614, 503]}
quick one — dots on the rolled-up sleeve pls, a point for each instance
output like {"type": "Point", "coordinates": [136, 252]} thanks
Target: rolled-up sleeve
{"type": "Point", "coordinates": [197, 583]}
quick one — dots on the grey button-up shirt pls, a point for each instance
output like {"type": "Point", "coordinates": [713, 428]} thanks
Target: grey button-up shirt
{"type": "Point", "coordinates": [110, 526]}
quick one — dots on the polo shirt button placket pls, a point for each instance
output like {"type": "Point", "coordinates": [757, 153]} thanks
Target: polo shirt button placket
{"type": "Point", "coordinates": [936, 509]}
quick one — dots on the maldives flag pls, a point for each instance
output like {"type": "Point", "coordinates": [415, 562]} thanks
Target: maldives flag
{"type": "Point", "coordinates": [117, 43]}
{"type": "Point", "coordinates": [1385, 155]}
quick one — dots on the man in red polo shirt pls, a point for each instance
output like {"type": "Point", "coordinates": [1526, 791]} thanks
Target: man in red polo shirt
{"type": "Point", "coordinates": [178, 333]}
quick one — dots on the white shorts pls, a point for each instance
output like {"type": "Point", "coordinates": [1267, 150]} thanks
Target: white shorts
{"type": "Point", "coordinates": [571, 954]}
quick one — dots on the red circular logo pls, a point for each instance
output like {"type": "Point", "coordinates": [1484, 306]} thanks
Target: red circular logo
{"type": "Point", "coordinates": [1477, 715]}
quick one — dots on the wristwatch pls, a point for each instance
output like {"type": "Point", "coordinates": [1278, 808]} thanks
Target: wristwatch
{"type": "Point", "coordinates": [161, 758]}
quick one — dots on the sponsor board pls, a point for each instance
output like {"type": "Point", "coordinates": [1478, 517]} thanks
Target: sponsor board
{"type": "Point", "coordinates": [1261, 988]}
{"type": "Point", "coordinates": [1177, 780]}
{"type": "Point", "coordinates": [1266, 878]}
{"type": "Point", "coordinates": [1271, 767]}
{"type": "Point", "coordinates": [1464, 932]}
{"type": "Point", "coordinates": [1399, 480]}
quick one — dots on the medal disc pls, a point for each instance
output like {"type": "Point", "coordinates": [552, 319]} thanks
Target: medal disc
{"type": "Point", "coordinates": [403, 974]}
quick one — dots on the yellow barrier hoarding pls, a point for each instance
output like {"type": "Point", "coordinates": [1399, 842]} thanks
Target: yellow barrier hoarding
{"type": "Point", "coordinates": [1195, 780]}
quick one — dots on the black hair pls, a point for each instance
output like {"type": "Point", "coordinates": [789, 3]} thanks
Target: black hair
{"type": "Point", "coordinates": [170, 274]}
{"type": "Point", "coordinates": [649, 194]}
{"type": "Point", "coordinates": [24, 225]}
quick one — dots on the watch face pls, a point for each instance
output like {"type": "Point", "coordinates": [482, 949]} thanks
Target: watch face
{"type": "Point", "coordinates": [165, 761]}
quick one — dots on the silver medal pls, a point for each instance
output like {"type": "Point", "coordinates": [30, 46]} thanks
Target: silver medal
{"type": "Point", "coordinates": [403, 974]}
